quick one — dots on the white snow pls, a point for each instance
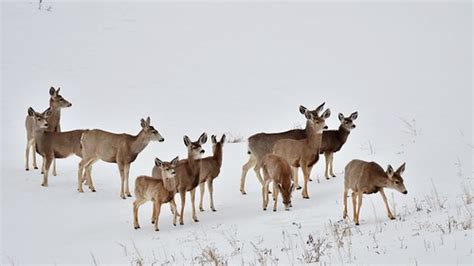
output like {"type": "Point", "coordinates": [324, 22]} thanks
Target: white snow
{"type": "Point", "coordinates": [242, 68]}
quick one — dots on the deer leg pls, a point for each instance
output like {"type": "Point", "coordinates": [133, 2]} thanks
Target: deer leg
{"type": "Point", "coordinates": [275, 196]}
{"type": "Point", "coordinates": [54, 167]}
{"type": "Point", "coordinates": [193, 207]}
{"type": "Point", "coordinates": [201, 195]}
{"type": "Point", "coordinates": [136, 204]}
{"type": "Point", "coordinates": [157, 210]}
{"type": "Point", "coordinates": [33, 145]}
{"type": "Point", "coordinates": [42, 165]}
{"type": "Point", "coordinates": [305, 185]}
{"type": "Point", "coordinates": [183, 201]}
{"type": "Point", "coordinates": [88, 175]}
{"type": "Point", "coordinates": [344, 212]}
{"type": "Point", "coordinates": [175, 211]}
{"type": "Point", "coordinates": [389, 213]}
{"type": "Point", "coordinates": [210, 186]}
{"type": "Point", "coordinates": [264, 197]}
{"type": "Point", "coordinates": [326, 169]}
{"type": "Point", "coordinates": [27, 155]}
{"type": "Point", "coordinates": [48, 160]}
{"type": "Point", "coordinates": [126, 174]}
{"type": "Point", "coordinates": [153, 213]}
{"type": "Point", "coordinates": [295, 178]}
{"type": "Point", "coordinates": [122, 179]}
{"type": "Point", "coordinates": [245, 168]}
{"type": "Point", "coordinates": [359, 199]}
{"type": "Point", "coordinates": [331, 171]}
{"type": "Point", "coordinates": [354, 204]}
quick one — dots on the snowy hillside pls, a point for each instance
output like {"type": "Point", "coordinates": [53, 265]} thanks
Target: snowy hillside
{"type": "Point", "coordinates": [241, 69]}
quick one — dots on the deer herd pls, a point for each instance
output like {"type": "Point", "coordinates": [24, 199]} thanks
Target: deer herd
{"type": "Point", "coordinates": [277, 155]}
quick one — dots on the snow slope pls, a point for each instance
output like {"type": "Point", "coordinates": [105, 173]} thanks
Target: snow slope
{"type": "Point", "coordinates": [241, 69]}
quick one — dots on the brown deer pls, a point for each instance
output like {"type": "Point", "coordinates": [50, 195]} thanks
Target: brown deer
{"type": "Point", "coordinates": [160, 191]}
{"type": "Point", "coordinates": [278, 171]}
{"type": "Point", "coordinates": [210, 169]}
{"type": "Point", "coordinates": [304, 153]}
{"type": "Point", "coordinates": [56, 103]}
{"type": "Point", "coordinates": [369, 177]}
{"type": "Point", "coordinates": [262, 144]}
{"type": "Point", "coordinates": [121, 149]}
{"type": "Point", "coordinates": [187, 173]}
{"type": "Point", "coordinates": [51, 145]}
{"type": "Point", "coordinates": [333, 140]}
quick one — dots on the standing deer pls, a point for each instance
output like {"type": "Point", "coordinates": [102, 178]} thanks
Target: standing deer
{"type": "Point", "coordinates": [160, 191]}
{"type": "Point", "coordinates": [369, 177]}
{"type": "Point", "coordinates": [187, 173]}
{"type": "Point", "coordinates": [121, 149]}
{"type": "Point", "coordinates": [210, 169]}
{"type": "Point", "coordinates": [56, 103]}
{"type": "Point", "coordinates": [262, 144]}
{"type": "Point", "coordinates": [333, 140]}
{"type": "Point", "coordinates": [304, 153]}
{"type": "Point", "coordinates": [51, 144]}
{"type": "Point", "coordinates": [278, 171]}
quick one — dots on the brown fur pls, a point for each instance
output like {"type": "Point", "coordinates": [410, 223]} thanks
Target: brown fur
{"type": "Point", "coordinates": [187, 173]}
{"type": "Point", "coordinates": [262, 144]}
{"type": "Point", "coordinates": [210, 169]}
{"type": "Point", "coordinates": [369, 177]}
{"type": "Point", "coordinates": [304, 153]}
{"type": "Point", "coordinates": [56, 103]}
{"type": "Point", "coordinates": [121, 149]}
{"type": "Point", "coordinates": [278, 171]}
{"type": "Point", "coordinates": [160, 191]}
{"type": "Point", "coordinates": [333, 140]}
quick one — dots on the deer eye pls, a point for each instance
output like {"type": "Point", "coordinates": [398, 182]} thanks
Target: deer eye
{"type": "Point", "coordinates": [397, 182]}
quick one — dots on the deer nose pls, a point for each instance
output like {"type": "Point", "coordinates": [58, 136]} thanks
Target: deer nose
{"type": "Point", "coordinates": [203, 151]}
{"type": "Point", "coordinates": [174, 172]}
{"type": "Point", "coordinates": [353, 126]}
{"type": "Point", "coordinates": [69, 105]}
{"type": "Point", "coordinates": [161, 140]}
{"type": "Point", "coordinates": [326, 127]}
{"type": "Point", "coordinates": [405, 192]}
{"type": "Point", "coordinates": [46, 124]}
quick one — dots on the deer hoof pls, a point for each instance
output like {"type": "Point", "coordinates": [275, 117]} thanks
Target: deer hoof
{"type": "Point", "coordinates": [196, 220]}
{"type": "Point", "coordinates": [274, 210]}
{"type": "Point", "coordinates": [357, 223]}
{"type": "Point", "coordinates": [156, 229]}
{"type": "Point", "coordinates": [27, 169]}
{"type": "Point", "coordinates": [243, 192]}
{"type": "Point", "coordinates": [201, 209]}
{"type": "Point", "coordinates": [391, 218]}
{"type": "Point", "coordinates": [129, 195]}
{"type": "Point", "coordinates": [214, 210]}
{"type": "Point", "coordinates": [310, 180]}
{"type": "Point", "coordinates": [333, 175]}
{"type": "Point", "coordinates": [123, 197]}
{"type": "Point", "coordinates": [152, 222]}
{"type": "Point", "coordinates": [174, 224]}
{"type": "Point", "coordinates": [36, 167]}
{"type": "Point", "coordinates": [44, 184]}
{"type": "Point", "coordinates": [181, 223]}
{"type": "Point", "coordinates": [264, 209]}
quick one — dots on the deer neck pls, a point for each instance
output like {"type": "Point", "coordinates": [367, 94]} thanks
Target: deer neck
{"type": "Point", "coordinates": [217, 155]}
{"type": "Point", "coordinates": [169, 183]}
{"type": "Point", "coordinates": [194, 165]}
{"type": "Point", "coordinates": [313, 139]}
{"type": "Point", "coordinates": [139, 142]}
{"type": "Point", "coordinates": [343, 134]}
{"type": "Point", "coordinates": [55, 117]}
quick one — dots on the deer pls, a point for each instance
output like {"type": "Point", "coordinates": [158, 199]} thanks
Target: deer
{"type": "Point", "coordinates": [187, 173]}
{"type": "Point", "coordinates": [333, 140]}
{"type": "Point", "coordinates": [51, 144]}
{"type": "Point", "coordinates": [121, 149]}
{"type": "Point", "coordinates": [367, 178]}
{"type": "Point", "coordinates": [210, 169]}
{"type": "Point", "coordinates": [262, 144]}
{"type": "Point", "coordinates": [304, 153]}
{"type": "Point", "coordinates": [159, 191]}
{"type": "Point", "coordinates": [56, 103]}
{"type": "Point", "coordinates": [277, 170]}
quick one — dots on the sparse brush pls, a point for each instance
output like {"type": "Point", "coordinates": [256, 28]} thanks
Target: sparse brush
{"type": "Point", "coordinates": [314, 249]}
{"type": "Point", "coordinates": [234, 138]}
{"type": "Point", "coordinates": [264, 255]}
{"type": "Point", "coordinates": [210, 255]}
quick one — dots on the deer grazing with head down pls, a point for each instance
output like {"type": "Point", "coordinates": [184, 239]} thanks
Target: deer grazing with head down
{"type": "Point", "coordinates": [56, 103]}
{"type": "Point", "coordinates": [333, 140]}
{"type": "Point", "coordinates": [304, 153]}
{"type": "Point", "coordinates": [262, 144]}
{"type": "Point", "coordinates": [210, 169]}
{"type": "Point", "coordinates": [369, 177]}
{"type": "Point", "coordinates": [187, 173]}
{"type": "Point", "coordinates": [51, 145]}
{"type": "Point", "coordinates": [121, 149]}
{"type": "Point", "coordinates": [278, 171]}
{"type": "Point", "coordinates": [159, 191]}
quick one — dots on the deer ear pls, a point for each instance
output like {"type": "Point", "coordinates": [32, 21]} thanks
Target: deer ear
{"type": "Point", "coordinates": [175, 161]}
{"type": "Point", "coordinates": [354, 115]}
{"type": "Point", "coordinates": [340, 116]}
{"type": "Point", "coordinates": [57, 91]}
{"type": "Point", "coordinates": [158, 162]}
{"type": "Point", "coordinates": [148, 121]}
{"type": "Point", "coordinates": [143, 123]}
{"type": "Point", "coordinates": [326, 114]}
{"type": "Point", "coordinates": [389, 171]}
{"type": "Point", "coordinates": [308, 115]}
{"type": "Point", "coordinates": [223, 139]}
{"type": "Point", "coordinates": [203, 138]}
{"type": "Point", "coordinates": [213, 139]}
{"type": "Point", "coordinates": [319, 108]}
{"type": "Point", "coordinates": [52, 91]}
{"type": "Point", "coordinates": [31, 112]}
{"type": "Point", "coordinates": [401, 169]}
{"type": "Point", "coordinates": [303, 109]}
{"type": "Point", "coordinates": [47, 112]}
{"type": "Point", "coordinates": [187, 141]}
{"type": "Point", "coordinates": [292, 186]}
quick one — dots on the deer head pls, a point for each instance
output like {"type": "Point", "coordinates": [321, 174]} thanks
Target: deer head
{"type": "Point", "coordinates": [150, 131]}
{"type": "Point", "coordinates": [195, 149]}
{"type": "Point", "coordinates": [395, 178]}
{"type": "Point", "coordinates": [56, 100]}
{"type": "Point", "coordinates": [348, 122]}
{"type": "Point", "coordinates": [41, 119]}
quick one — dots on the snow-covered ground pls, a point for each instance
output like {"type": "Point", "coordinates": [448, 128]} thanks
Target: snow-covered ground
{"type": "Point", "coordinates": [241, 69]}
